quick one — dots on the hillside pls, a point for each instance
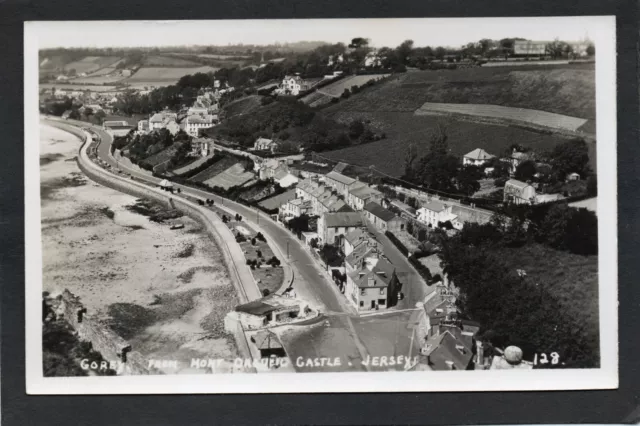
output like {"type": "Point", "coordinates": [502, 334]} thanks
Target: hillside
{"type": "Point", "coordinates": [394, 107]}
{"type": "Point", "coordinates": [242, 106]}
{"type": "Point", "coordinates": [568, 90]}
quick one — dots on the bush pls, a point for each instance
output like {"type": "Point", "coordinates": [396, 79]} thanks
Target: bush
{"type": "Point", "coordinates": [225, 219]}
{"type": "Point", "coordinates": [260, 237]}
{"type": "Point", "coordinates": [240, 238]}
{"type": "Point", "coordinates": [274, 261]}
{"type": "Point", "coordinates": [253, 241]}
{"type": "Point", "coordinates": [259, 253]}
{"type": "Point", "coordinates": [266, 292]}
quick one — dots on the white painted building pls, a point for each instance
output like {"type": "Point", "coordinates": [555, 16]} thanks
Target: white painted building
{"type": "Point", "coordinates": [434, 212]}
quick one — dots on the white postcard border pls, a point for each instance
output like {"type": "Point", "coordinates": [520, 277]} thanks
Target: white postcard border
{"type": "Point", "coordinates": [602, 32]}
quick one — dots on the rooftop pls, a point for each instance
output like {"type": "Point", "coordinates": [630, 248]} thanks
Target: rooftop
{"type": "Point", "coordinates": [379, 211]}
{"type": "Point", "coordinates": [433, 205]}
{"type": "Point", "coordinates": [445, 350]}
{"type": "Point", "coordinates": [479, 154]}
{"type": "Point", "coordinates": [364, 192]}
{"type": "Point", "coordinates": [516, 183]}
{"type": "Point", "coordinates": [339, 177]}
{"type": "Point", "coordinates": [402, 206]}
{"type": "Point", "coordinates": [346, 219]}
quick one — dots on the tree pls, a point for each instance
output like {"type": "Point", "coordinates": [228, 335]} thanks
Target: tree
{"type": "Point", "coordinates": [570, 157]}
{"type": "Point", "coordinates": [331, 255]}
{"type": "Point", "coordinates": [591, 50]}
{"type": "Point", "coordinates": [525, 171]}
{"type": "Point", "coordinates": [438, 169]}
{"type": "Point", "coordinates": [403, 51]}
{"type": "Point", "coordinates": [553, 228]}
{"type": "Point", "coordinates": [359, 42]}
{"type": "Point", "coordinates": [299, 224]}
{"type": "Point", "coordinates": [582, 232]}
{"type": "Point", "coordinates": [440, 52]}
{"type": "Point", "coordinates": [592, 185]}
{"type": "Point", "coordinates": [356, 128]}
{"type": "Point", "coordinates": [346, 94]}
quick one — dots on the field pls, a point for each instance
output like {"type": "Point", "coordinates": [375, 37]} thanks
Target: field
{"type": "Point", "coordinates": [404, 129]}
{"type": "Point", "coordinates": [167, 61]}
{"type": "Point", "coordinates": [242, 105]}
{"type": "Point", "coordinates": [91, 88]}
{"type": "Point", "coordinates": [99, 79]}
{"type": "Point", "coordinates": [166, 76]}
{"type": "Point", "coordinates": [233, 176]}
{"type": "Point", "coordinates": [162, 156]}
{"type": "Point", "coordinates": [523, 115]}
{"type": "Point", "coordinates": [218, 167]}
{"type": "Point", "coordinates": [192, 165]}
{"type": "Point", "coordinates": [334, 90]}
{"type": "Point", "coordinates": [568, 90]}
{"type": "Point", "coordinates": [90, 64]}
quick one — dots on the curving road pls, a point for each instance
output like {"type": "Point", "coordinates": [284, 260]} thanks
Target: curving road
{"type": "Point", "coordinates": [310, 282]}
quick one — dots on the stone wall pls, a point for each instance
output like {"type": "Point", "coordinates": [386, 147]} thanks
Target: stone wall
{"type": "Point", "coordinates": [112, 347]}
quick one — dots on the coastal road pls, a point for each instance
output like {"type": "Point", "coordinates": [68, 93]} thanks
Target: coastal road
{"type": "Point", "coordinates": [310, 282]}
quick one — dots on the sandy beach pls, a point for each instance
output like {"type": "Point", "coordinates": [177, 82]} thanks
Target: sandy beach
{"type": "Point", "coordinates": [165, 291]}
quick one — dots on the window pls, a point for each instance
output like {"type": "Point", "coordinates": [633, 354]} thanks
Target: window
{"type": "Point", "coordinates": [361, 304]}
{"type": "Point", "coordinates": [382, 291]}
{"type": "Point", "coordinates": [363, 291]}
{"type": "Point", "coordinates": [381, 301]}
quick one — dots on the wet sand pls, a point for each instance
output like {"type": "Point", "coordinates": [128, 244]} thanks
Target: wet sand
{"type": "Point", "coordinates": [166, 291]}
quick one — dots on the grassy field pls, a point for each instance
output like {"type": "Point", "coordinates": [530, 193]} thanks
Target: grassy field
{"type": "Point", "coordinates": [568, 90]}
{"type": "Point", "coordinates": [91, 88]}
{"type": "Point", "coordinates": [216, 168]}
{"type": "Point", "coordinates": [242, 105]}
{"type": "Point", "coordinates": [404, 129]}
{"type": "Point", "coordinates": [90, 64]}
{"type": "Point", "coordinates": [164, 75]}
{"type": "Point", "coordinates": [508, 114]}
{"type": "Point", "coordinates": [233, 176]}
{"type": "Point", "coordinates": [167, 61]}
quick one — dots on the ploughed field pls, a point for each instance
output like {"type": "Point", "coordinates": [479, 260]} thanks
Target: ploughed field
{"type": "Point", "coordinates": [521, 115]}
{"type": "Point", "coordinates": [166, 75]}
{"type": "Point", "coordinates": [324, 94]}
{"type": "Point", "coordinates": [90, 64]}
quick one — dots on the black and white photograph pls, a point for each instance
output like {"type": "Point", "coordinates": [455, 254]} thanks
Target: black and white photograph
{"type": "Point", "coordinates": [338, 205]}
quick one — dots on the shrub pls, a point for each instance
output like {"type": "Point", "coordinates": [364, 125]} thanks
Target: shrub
{"type": "Point", "coordinates": [253, 241]}
{"type": "Point", "coordinates": [240, 238]}
{"type": "Point", "coordinates": [259, 253]}
{"type": "Point", "coordinates": [225, 219]}
{"type": "Point", "coordinates": [266, 292]}
{"type": "Point", "coordinates": [274, 261]}
{"type": "Point", "coordinates": [248, 262]}
{"type": "Point", "coordinates": [260, 237]}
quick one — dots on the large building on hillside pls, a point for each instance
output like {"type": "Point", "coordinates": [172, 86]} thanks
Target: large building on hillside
{"type": "Point", "coordinates": [160, 120]}
{"type": "Point", "coordinates": [341, 183]}
{"type": "Point", "coordinates": [383, 219]}
{"type": "Point", "coordinates": [358, 197]}
{"type": "Point", "coordinates": [332, 226]}
{"type": "Point", "coordinates": [374, 286]}
{"type": "Point", "coordinates": [517, 192]}
{"type": "Point", "coordinates": [192, 124]}
{"type": "Point", "coordinates": [434, 212]}
{"type": "Point", "coordinates": [477, 157]}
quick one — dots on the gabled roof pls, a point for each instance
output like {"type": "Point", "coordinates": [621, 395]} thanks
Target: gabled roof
{"type": "Point", "coordinates": [479, 154]}
{"type": "Point", "coordinates": [339, 177]}
{"type": "Point", "coordinates": [445, 347]}
{"type": "Point", "coordinates": [346, 219]}
{"type": "Point", "coordinates": [364, 192]}
{"type": "Point", "coordinates": [378, 211]}
{"type": "Point", "coordinates": [517, 184]}
{"type": "Point", "coordinates": [357, 235]}
{"type": "Point", "coordinates": [198, 119]}
{"type": "Point", "coordinates": [433, 205]}
{"type": "Point", "coordinates": [378, 277]}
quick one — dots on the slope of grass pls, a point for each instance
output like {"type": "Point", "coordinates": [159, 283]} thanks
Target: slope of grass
{"type": "Point", "coordinates": [242, 106]}
{"type": "Point", "coordinates": [568, 89]}
{"type": "Point", "coordinates": [404, 129]}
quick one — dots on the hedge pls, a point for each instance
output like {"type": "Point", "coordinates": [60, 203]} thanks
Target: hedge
{"type": "Point", "coordinates": [397, 243]}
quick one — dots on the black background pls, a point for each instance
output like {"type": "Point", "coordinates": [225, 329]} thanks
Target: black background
{"type": "Point", "coordinates": [613, 406]}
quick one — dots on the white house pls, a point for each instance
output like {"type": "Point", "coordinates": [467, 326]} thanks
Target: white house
{"type": "Point", "coordinates": [194, 123]}
{"type": "Point", "coordinates": [434, 212]}
{"type": "Point", "coordinates": [518, 192]}
{"type": "Point", "coordinates": [295, 208]}
{"type": "Point", "coordinates": [331, 226]}
{"type": "Point", "coordinates": [477, 157]}
{"type": "Point", "coordinates": [358, 197]}
{"type": "Point", "coordinates": [159, 120]}
{"type": "Point", "coordinates": [264, 144]}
